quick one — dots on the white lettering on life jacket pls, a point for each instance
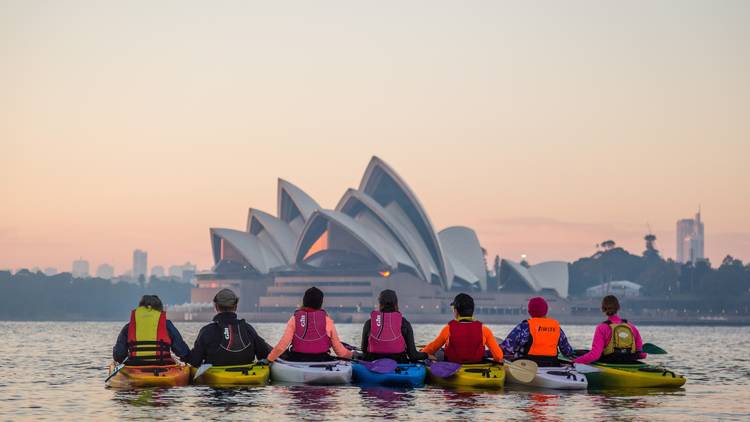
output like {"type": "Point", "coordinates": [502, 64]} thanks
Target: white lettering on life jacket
{"type": "Point", "coordinates": [378, 320]}
{"type": "Point", "coordinates": [226, 333]}
{"type": "Point", "coordinates": [302, 320]}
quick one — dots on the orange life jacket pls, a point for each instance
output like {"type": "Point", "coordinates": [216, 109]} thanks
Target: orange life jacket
{"type": "Point", "coordinates": [545, 334]}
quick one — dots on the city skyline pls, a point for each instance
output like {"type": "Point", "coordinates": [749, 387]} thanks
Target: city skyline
{"type": "Point", "coordinates": [545, 128]}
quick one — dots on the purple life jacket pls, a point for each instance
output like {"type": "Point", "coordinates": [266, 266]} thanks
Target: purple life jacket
{"type": "Point", "coordinates": [310, 334]}
{"type": "Point", "coordinates": [385, 333]}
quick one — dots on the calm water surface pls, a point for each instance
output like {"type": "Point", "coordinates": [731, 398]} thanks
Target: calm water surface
{"type": "Point", "coordinates": [55, 370]}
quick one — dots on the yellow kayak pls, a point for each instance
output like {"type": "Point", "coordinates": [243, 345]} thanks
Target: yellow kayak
{"type": "Point", "coordinates": [150, 376]}
{"type": "Point", "coordinates": [479, 375]}
{"type": "Point", "coordinates": [251, 374]}
{"type": "Point", "coordinates": [639, 375]}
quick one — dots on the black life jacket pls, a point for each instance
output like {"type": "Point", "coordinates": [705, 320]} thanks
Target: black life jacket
{"type": "Point", "coordinates": [234, 345]}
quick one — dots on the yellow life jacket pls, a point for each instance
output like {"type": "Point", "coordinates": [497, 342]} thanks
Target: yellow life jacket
{"type": "Point", "coordinates": [622, 340]}
{"type": "Point", "coordinates": [147, 334]}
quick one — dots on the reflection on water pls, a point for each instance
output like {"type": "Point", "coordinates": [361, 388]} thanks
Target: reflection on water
{"type": "Point", "coordinates": [45, 383]}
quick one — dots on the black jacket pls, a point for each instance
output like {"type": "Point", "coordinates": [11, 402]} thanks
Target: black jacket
{"type": "Point", "coordinates": [211, 343]}
{"type": "Point", "coordinates": [411, 354]}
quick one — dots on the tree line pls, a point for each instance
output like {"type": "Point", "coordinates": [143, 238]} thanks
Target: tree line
{"type": "Point", "coordinates": [36, 296]}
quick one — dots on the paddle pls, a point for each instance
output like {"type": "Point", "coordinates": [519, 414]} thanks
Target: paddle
{"type": "Point", "coordinates": [117, 369]}
{"type": "Point", "coordinates": [523, 370]}
{"type": "Point", "coordinates": [380, 366]}
{"type": "Point", "coordinates": [442, 369]}
{"type": "Point", "coordinates": [202, 370]}
{"type": "Point", "coordinates": [653, 349]}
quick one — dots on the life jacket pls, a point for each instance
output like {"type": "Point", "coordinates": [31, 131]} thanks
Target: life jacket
{"type": "Point", "coordinates": [310, 334]}
{"type": "Point", "coordinates": [385, 333]}
{"type": "Point", "coordinates": [235, 345]}
{"type": "Point", "coordinates": [622, 340]}
{"type": "Point", "coordinates": [545, 334]}
{"type": "Point", "coordinates": [465, 341]}
{"type": "Point", "coordinates": [148, 339]}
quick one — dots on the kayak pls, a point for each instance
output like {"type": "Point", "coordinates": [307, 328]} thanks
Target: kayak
{"type": "Point", "coordinates": [552, 377]}
{"type": "Point", "coordinates": [477, 375]}
{"type": "Point", "coordinates": [633, 375]}
{"type": "Point", "coordinates": [405, 375]}
{"type": "Point", "coordinates": [251, 374]}
{"type": "Point", "coordinates": [316, 373]}
{"type": "Point", "coordinates": [150, 376]}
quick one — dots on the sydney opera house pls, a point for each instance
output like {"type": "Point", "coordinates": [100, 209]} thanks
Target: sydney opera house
{"type": "Point", "coordinates": [378, 236]}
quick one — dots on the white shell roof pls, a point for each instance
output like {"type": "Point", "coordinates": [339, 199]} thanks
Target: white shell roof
{"type": "Point", "coordinates": [546, 275]}
{"type": "Point", "coordinates": [277, 233]}
{"type": "Point", "coordinates": [257, 254]}
{"type": "Point", "coordinates": [290, 197]}
{"type": "Point", "coordinates": [461, 245]}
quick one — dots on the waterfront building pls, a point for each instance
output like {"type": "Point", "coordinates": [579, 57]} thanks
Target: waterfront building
{"type": "Point", "coordinates": [105, 271]}
{"type": "Point", "coordinates": [378, 236]}
{"type": "Point", "coordinates": [140, 264]}
{"type": "Point", "coordinates": [622, 288]}
{"type": "Point", "coordinates": [157, 271]}
{"type": "Point", "coordinates": [690, 239]}
{"type": "Point", "coordinates": [80, 268]}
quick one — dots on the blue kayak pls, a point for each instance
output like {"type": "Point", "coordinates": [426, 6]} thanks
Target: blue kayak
{"type": "Point", "coordinates": [405, 375]}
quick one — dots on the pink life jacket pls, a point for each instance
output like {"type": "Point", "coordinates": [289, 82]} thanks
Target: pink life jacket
{"type": "Point", "coordinates": [310, 334]}
{"type": "Point", "coordinates": [385, 333]}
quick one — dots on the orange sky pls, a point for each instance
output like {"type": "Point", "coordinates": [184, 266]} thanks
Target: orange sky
{"type": "Point", "coordinates": [546, 128]}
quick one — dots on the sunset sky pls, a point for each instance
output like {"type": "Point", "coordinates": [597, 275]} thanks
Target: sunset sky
{"type": "Point", "coordinates": [546, 127]}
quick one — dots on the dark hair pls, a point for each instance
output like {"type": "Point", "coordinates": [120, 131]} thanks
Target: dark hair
{"type": "Point", "coordinates": [313, 298]}
{"type": "Point", "coordinates": [151, 301]}
{"type": "Point", "coordinates": [610, 305]}
{"type": "Point", "coordinates": [388, 301]}
{"type": "Point", "coordinates": [222, 308]}
{"type": "Point", "coordinates": [464, 305]}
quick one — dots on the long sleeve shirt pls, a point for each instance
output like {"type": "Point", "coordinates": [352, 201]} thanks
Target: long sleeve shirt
{"type": "Point", "coordinates": [207, 347]}
{"type": "Point", "coordinates": [179, 347]}
{"type": "Point", "coordinates": [602, 336]}
{"type": "Point", "coordinates": [406, 331]}
{"type": "Point", "coordinates": [487, 337]}
{"type": "Point", "coordinates": [286, 340]}
{"type": "Point", "coordinates": [520, 336]}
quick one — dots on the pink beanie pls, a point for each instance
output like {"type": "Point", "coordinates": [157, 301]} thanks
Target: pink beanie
{"type": "Point", "coordinates": [537, 307]}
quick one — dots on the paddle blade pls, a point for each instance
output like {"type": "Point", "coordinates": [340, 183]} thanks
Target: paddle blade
{"type": "Point", "coordinates": [585, 369]}
{"type": "Point", "coordinates": [381, 366]}
{"type": "Point", "coordinates": [117, 369]}
{"type": "Point", "coordinates": [523, 370]}
{"type": "Point", "coordinates": [653, 349]}
{"type": "Point", "coordinates": [443, 369]}
{"type": "Point", "coordinates": [202, 370]}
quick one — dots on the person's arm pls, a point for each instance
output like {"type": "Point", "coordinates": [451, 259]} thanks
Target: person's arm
{"type": "Point", "coordinates": [284, 342]}
{"type": "Point", "coordinates": [597, 345]}
{"type": "Point", "coordinates": [563, 345]}
{"type": "Point", "coordinates": [411, 349]}
{"type": "Point", "coordinates": [517, 338]}
{"type": "Point", "coordinates": [120, 350]}
{"type": "Point", "coordinates": [260, 346]}
{"type": "Point", "coordinates": [198, 354]}
{"type": "Point", "coordinates": [439, 341]}
{"type": "Point", "coordinates": [365, 336]}
{"type": "Point", "coordinates": [638, 342]}
{"type": "Point", "coordinates": [338, 348]}
{"type": "Point", "coordinates": [491, 343]}
{"type": "Point", "coordinates": [179, 347]}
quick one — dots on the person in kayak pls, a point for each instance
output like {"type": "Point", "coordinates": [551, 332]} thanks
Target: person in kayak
{"type": "Point", "coordinates": [227, 340]}
{"type": "Point", "coordinates": [149, 336]}
{"type": "Point", "coordinates": [616, 340]}
{"type": "Point", "coordinates": [464, 337]}
{"type": "Point", "coordinates": [387, 334]}
{"type": "Point", "coordinates": [310, 333]}
{"type": "Point", "coordinates": [538, 338]}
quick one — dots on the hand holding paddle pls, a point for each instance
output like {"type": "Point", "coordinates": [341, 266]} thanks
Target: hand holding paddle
{"type": "Point", "coordinates": [117, 369]}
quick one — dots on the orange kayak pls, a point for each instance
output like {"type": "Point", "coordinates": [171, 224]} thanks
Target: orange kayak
{"type": "Point", "coordinates": [150, 376]}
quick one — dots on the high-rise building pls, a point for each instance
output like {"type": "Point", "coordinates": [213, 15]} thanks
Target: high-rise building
{"type": "Point", "coordinates": [690, 239]}
{"type": "Point", "coordinates": [157, 271]}
{"type": "Point", "coordinates": [105, 271]}
{"type": "Point", "coordinates": [80, 268]}
{"type": "Point", "coordinates": [140, 264]}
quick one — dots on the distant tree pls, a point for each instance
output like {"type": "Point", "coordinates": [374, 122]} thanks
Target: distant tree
{"type": "Point", "coordinates": [608, 244]}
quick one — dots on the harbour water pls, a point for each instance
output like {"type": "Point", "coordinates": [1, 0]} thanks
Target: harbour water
{"type": "Point", "coordinates": [55, 370]}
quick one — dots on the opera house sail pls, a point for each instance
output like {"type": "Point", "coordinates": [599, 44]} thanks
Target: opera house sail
{"type": "Point", "coordinates": [377, 236]}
